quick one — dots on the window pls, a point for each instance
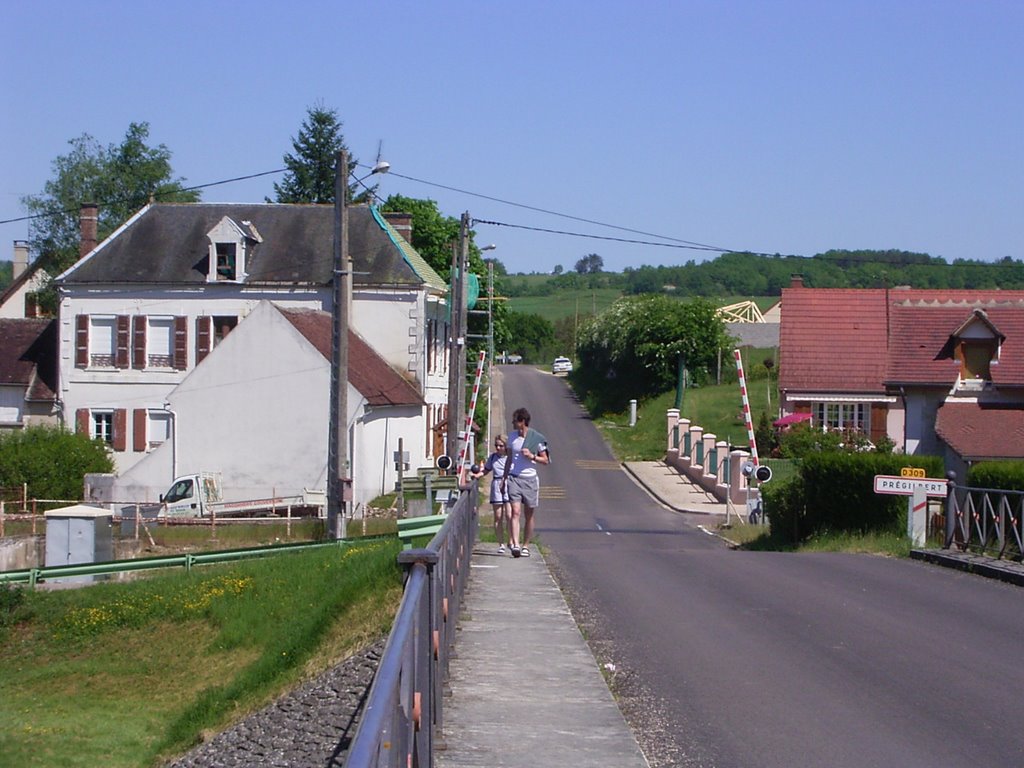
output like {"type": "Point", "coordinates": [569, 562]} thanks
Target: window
{"type": "Point", "coordinates": [102, 341]}
{"type": "Point", "coordinates": [160, 343]}
{"type": "Point", "coordinates": [158, 428]}
{"type": "Point", "coordinates": [848, 417]}
{"type": "Point", "coordinates": [222, 326]}
{"type": "Point", "coordinates": [976, 358]}
{"type": "Point", "coordinates": [226, 261]}
{"type": "Point", "coordinates": [103, 426]}
{"type": "Point", "coordinates": [180, 490]}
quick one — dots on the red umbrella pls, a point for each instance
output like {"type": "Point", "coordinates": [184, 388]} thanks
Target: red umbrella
{"type": "Point", "coordinates": [792, 418]}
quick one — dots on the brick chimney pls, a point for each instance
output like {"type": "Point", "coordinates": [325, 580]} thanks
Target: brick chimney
{"type": "Point", "coordinates": [20, 258]}
{"type": "Point", "coordinates": [402, 222]}
{"type": "Point", "coordinates": [796, 281]}
{"type": "Point", "coordinates": [88, 226]}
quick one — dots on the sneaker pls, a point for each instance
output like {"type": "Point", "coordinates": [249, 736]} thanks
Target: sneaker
{"type": "Point", "coordinates": [525, 551]}
{"type": "Point", "coordinates": [515, 551]}
{"type": "Point", "coordinates": [501, 549]}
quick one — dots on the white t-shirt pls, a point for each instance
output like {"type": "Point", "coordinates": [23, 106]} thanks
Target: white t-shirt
{"type": "Point", "coordinates": [522, 466]}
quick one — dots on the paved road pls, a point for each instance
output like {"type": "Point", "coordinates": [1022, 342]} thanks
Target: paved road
{"type": "Point", "coordinates": [746, 659]}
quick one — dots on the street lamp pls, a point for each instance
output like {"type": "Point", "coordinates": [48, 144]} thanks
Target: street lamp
{"type": "Point", "coordinates": [339, 483]}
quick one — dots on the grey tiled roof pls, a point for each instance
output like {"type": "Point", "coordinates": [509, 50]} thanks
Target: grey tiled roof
{"type": "Point", "coordinates": [166, 243]}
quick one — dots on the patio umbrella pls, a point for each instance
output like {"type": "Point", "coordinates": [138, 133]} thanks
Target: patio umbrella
{"type": "Point", "coordinates": [792, 418]}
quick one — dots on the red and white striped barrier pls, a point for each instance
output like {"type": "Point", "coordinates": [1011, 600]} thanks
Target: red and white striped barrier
{"type": "Point", "coordinates": [464, 436]}
{"type": "Point", "coordinates": [746, 408]}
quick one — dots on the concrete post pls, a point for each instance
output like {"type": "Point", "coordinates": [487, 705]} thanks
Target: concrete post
{"type": "Point", "coordinates": [710, 460]}
{"type": "Point", "coordinates": [737, 482]}
{"type": "Point", "coordinates": [696, 439]}
{"type": "Point", "coordinates": [672, 420]}
{"type": "Point", "coordinates": [685, 447]}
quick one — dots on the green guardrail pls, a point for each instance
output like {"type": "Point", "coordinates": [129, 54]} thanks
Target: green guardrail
{"type": "Point", "coordinates": [412, 528]}
{"type": "Point", "coordinates": [33, 576]}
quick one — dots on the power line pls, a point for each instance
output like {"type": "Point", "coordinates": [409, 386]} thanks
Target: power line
{"type": "Point", "coordinates": [605, 237]}
{"type": "Point", "coordinates": [702, 246]}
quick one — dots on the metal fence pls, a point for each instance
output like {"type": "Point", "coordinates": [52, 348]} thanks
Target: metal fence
{"type": "Point", "coordinates": [404, 708]}
{"type": "Point", "coordinates": [989, 521]}
{"type": "Point", "coordinates": [33, 576]}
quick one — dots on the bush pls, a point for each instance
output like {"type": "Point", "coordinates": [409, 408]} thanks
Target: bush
{"type": "Point", "coordinates": [835, 492]}
{"type": "Point", "coordinates": [51, 460]}
{"type": "Point", "coordinates": [1000, 475]}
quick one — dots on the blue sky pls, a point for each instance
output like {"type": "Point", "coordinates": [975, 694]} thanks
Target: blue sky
{"type": "Point", "coordinates": [779, 127]}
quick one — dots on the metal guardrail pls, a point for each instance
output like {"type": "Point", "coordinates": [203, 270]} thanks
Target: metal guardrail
{"type": "Point", "coordinates": [985, 520]}
{"type": "Point", "coordinates": [33, 576]}
{"type": "Point", "coordinates": [404, 709]}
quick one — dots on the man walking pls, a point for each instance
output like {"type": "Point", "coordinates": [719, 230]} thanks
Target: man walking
{"type": "Point", "coordinates": [527, 447]}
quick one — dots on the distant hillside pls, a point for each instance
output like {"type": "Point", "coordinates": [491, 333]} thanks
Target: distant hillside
{"type": "Point", "coordinates": [748, 275]}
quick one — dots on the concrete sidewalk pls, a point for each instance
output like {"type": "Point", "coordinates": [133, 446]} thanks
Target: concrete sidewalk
{"type": "Point", "coordinates": [525, 688]}
{"type": "Point", "coordinates": [674, 490]}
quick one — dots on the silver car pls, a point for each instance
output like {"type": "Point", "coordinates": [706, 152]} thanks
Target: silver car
{"type": "Point", "coordinates": [562, 366]}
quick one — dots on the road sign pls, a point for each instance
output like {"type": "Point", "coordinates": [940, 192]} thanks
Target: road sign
{"type": "Point", "coordinates": [907, 486]}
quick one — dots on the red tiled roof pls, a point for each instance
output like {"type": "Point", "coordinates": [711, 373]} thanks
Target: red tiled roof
{"type": "Point", "coordinates": [28, 356]}
{"type": "Point", "coordinates": [979, 431]}
{"type": "Point", "coordinates": [832, 340]}
{"type": "Point", "coordinates": [368, 372]}
{"type": "Point", "coordinates": [920, 330]}
{"type": "Point", "coordinates": [857, 340]}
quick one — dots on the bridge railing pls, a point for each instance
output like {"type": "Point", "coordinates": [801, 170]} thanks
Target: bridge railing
{"type": "Point", "coordinates": [985, 520]}
{"type": "Point", "coordinates": [404, 709]}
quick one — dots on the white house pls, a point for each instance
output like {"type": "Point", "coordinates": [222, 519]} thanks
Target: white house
{"type": "Point", "coordinates": [256, 410]}
{"type": "Point", "coordinates": [18, 299]}
{"type": "Point", "coordinates": [28, 372]}
{"type": "Point", "coordinates": [141, 310]}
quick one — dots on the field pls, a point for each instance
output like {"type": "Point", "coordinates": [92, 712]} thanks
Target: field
{"type": "Point", "coordinates": [128, 673]}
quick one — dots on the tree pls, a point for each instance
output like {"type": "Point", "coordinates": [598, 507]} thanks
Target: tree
{"type": "Point", "coordinates": [590, 264]}
{"type": "Point", "coordinates": [557, 270]}
{"type": "Point", "coordinates": [51, 460]}
{"type": "Point", "coordinates": [310, 174]}
{"type": "Point", "coordinates": [120, 178]}
{"type": "Point", "coordinates": [633, 348]}
{"type": "Point", "coordinates": [434, 235]}
{"type": "Point", "coordinates": [528, 333]}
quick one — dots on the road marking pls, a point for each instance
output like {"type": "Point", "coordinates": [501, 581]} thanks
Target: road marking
{"type": "Point", "coordinates": [595, 464]}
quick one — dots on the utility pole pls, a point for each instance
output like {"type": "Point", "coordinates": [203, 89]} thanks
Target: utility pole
{"type": "Point", "coordinates": [490, 350]}
{"type": "Point", "coordinates": [456, 345]}
{"type": "Point", "coordinates": [463, 310]}
{"type": "Point", "coordinates": [338, 482]}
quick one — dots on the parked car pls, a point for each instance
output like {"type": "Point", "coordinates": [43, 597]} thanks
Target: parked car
{"type": "Point", "coordinates": [515, 359]}
{"type": "Point", "coordinates": [562, 366]}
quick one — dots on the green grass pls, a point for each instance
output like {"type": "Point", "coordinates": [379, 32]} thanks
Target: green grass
{"type": "Point", "coordinates": [759, 538]}
{"type": "Point", "coordinates": [718, 409]}
{"type": "Point", "coordinates": [129, 673]}
{"type": "Point", "coordinates": [569, 303]}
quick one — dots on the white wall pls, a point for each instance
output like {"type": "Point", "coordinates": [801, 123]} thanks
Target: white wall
{"type": "Point", "coordinates": [256, 410]}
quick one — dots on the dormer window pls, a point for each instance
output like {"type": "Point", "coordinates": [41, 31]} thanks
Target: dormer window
{"type": "Point", "coordinates": [975, 345]}
{"type": "Point", "coordinates": [226, 260]}
{"type": "Point", "coordinates": [229, 247]}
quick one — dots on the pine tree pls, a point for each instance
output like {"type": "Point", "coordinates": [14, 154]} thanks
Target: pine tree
{"type": "Point", "coordinates": [310, 174]}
